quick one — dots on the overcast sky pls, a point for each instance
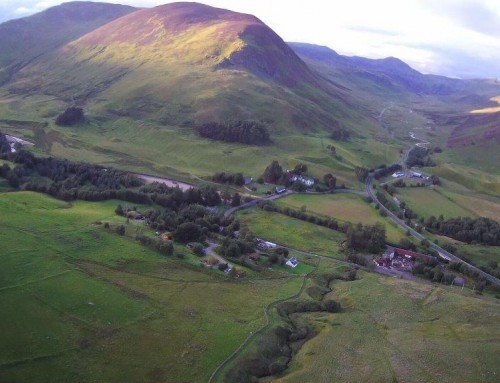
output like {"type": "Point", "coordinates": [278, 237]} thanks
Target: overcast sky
{"type": "Point", "coordinates": [457, 38]}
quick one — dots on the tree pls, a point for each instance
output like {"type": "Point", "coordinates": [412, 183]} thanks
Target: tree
{"type": "Point", "coordinates": [273, 172]}
{"type": "Point", "coordinates": [236, 201]}
{"type": "Point", "coordinates": [199, 250]}
{"type": "Point", "coordinates": [233, 250]}
{"type": "Point", "coordinates": [330, 180]}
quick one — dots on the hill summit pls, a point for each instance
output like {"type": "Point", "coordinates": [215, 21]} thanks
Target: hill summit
{"type": "Point", "coordinates": [196, 33]}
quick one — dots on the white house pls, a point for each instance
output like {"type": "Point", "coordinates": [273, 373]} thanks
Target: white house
{"type": "Point", "coordinates": [305, 180]}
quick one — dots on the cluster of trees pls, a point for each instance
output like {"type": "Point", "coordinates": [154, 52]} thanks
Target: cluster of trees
{"type": "Point", "coordinates": [366, 238]}
{"type": "Point", "coordinates": [226, 178]}
{"type": "Point", "coordinates": [470, 230]}
{"type": "Point", "coordinates": [245, 132]}
{"type": "Point", "coordinates": [187, 217]}
{"type": "Point", "coordinates": [236, 247]}
{"type": "Point", "coordinates": [70, 116]}
{"type": "Point", "coordinates": [419, 156]}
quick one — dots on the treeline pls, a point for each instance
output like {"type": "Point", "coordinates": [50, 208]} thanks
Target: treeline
{"type": "Point", "coordinates": [329, 223]}
{"type": "Point", "coordinates": [245, 132]}
{"type": "Point", "coordinates": [465, 229]}
{"type": "Point", "coordinates": [66, 179]}
{"type": "Point", "coordinates": [419, 156]}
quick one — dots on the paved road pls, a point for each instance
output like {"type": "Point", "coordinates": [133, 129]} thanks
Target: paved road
{"type": "Point", "coordinates": [443, 253]}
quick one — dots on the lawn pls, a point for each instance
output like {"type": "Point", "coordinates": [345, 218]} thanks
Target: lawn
{"type": "Point", "coordinates": [292, 232]}
{"type": "Point", "coordinates": [343, 207]}
{"type": "Point", "coordinates": [83, 304]}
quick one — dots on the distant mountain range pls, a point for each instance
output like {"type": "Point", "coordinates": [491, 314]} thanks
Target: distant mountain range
{"type": "Point", "coordinates": [182, 64]}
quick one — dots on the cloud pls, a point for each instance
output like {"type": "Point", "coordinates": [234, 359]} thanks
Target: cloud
{"type": "Point", "coordinates": [376, 31]}
{"type": "Point", "coordinates": [479, 16]}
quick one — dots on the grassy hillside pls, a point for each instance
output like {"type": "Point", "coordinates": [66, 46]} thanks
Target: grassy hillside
{"type": "Point", "coordinates": [396, 330]}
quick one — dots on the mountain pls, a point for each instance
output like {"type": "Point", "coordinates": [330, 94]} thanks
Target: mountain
{"type": "Point", "coordinates": [25, 39]}
{"type": "Point", "coordinates": [185, 63]}
{"type": "Point", "coordinates": [391, 73]}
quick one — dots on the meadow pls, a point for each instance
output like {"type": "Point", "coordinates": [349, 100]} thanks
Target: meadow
{"type": "Point", "coordinates": [344, 208]}
{"type": "Point", "coordinates": [81, 303]}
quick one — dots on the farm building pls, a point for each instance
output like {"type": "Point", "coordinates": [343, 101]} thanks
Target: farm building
{"type": "Point", "coordinates": [247, 180]}
{"type": "Point", "coordinates": [292, 262]}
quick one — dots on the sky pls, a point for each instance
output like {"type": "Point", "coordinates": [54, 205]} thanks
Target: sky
{"type": "Point", "coordinates": [455, 38]}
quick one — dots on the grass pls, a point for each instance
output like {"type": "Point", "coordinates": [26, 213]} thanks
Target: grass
{"type": "Point", "coordinates": [396, 330]}
{"type": "Point", "coordinates": [427, 202]}
{"type": "Point", "coordinates": [343, 207]}
{"type": "Point", "coordinates": [292, 232]}
{"type": "Point", "coordinates": [84, 304]}
{"type": "Point", "coordinates": [479, 204]}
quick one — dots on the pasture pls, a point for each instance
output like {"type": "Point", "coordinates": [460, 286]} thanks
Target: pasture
{"type": "Point", "coordinates": [397, 330]}
{"type": "Point", "coordinates": [343, 207]}
{"type": "Point", "coordinates": [427, 202]}
{"type": "Point", "coordinates": [293, 232]}
{"type": "Point", "coordinates": [83, 304]}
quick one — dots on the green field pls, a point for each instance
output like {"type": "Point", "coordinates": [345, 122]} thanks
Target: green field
{"type": "Point", "coordinates": [393, 330]}
{"type": "Point", "coordinates": [82, 304]}
{"type": "Point", "coordinates": [292, 232]}
{"type": "Point", "coordinates": [427, 202]}
{"type": "Point", "coordinates": [343, 207]}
